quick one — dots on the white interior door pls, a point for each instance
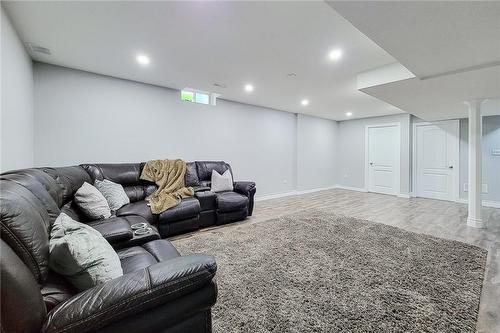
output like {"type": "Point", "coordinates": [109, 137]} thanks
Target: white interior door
{"type": "Point", "coordinates": [437, 160]}
{"type": "Point", "coordinates": [383, 159]}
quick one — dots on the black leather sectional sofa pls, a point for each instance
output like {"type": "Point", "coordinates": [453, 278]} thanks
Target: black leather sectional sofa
{"type": "Point", "coordinates": [204, 209]}
{"type": "Point", "coordinates": [160, 290]}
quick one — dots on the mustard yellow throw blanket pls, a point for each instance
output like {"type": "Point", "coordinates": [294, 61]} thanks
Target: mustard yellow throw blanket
{"type": "Point", "coordinates": [169, 176]}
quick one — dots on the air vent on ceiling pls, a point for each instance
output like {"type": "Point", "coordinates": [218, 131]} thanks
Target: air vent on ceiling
{"type": "Point", "coordinates": [38, 49]}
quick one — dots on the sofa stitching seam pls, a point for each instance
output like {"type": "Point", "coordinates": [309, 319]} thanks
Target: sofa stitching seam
{"type": "Point", "coordinates": [24, 249]}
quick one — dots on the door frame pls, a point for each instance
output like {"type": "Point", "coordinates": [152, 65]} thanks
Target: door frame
{"type": "Point", "coordinates": [456, 168]}
{"type": "Point", "coordinates": [397, 173]}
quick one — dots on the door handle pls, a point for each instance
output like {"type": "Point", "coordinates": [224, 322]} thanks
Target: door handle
{"type": "Point", "coordinates": [450, 167]}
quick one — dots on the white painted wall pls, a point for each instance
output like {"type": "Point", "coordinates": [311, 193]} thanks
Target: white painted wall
{"type": "Point", "coordinates": [316, 148]}
{"type": "Point", "coordinates": [281, 151]}
{"type": "Point", "coordinates": [491, 164]}
{"type": "Point", "coordinates": [83, 117]}
{"type": "Point", "coordinates": [351, 150]}
{"type": "Point", "coordinates": [16, 116]}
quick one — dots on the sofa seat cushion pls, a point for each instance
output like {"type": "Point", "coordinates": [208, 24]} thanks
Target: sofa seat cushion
{"type": "Point", "coordinates": [231, 201]}
{"type": "Point", "coordinates": [55, 290]}
{"type": "Point", "coordinates": [186, 209]}
{"type": "Point", "coordinates": [207, 199]}
{"type": "Point", "coordinates": [139, 208]}
{"type": "Point", "coordinates": [140, 257]}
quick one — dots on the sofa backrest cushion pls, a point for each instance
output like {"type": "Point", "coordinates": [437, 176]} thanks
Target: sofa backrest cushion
{"type": "Point", "coordinates": [126, 174]}
{"type": "Point", "coordinates": [205, 168]}
{"type": "Point", "coordinates": [70, 179]}
{"type": "Point", "coordinates": [40, 190]}
{"type": "Point", "coordinates": [23, 309]}
{"type": "Point", "coordinates": [28, 176]}
{"type": "Point", "coordinates": [191, 177]}
{"type": "Point", "coordinates": [25, 227]}
{"type": "Point", "coordinates": [121, 173]}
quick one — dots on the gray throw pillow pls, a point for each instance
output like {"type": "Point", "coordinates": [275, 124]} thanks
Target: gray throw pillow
{"type": "Point", "coordinates": [222, 182]}
{"type": "Point", "coordinates": [82, 254]}
{"type": "Point", "coordinates": [114, 193]}
{"type": "Point", "coordinates": [91, 202]}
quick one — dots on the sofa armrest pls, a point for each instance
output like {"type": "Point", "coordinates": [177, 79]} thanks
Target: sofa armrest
{"type": "Point", "coordinates": [113, 229]}
{"type": "Point", "coordinates": [245, 188]}
{"type": "Point", "coordinates": [248, 189]}
{"type": "Point", "coordinates": [200, 188]}
{"type": "Point", "coordinates": [131, 294]}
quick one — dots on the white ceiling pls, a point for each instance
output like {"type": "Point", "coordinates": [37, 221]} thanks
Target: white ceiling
{"type": "Point", "coordinates": [443, 97]}
{"type": "Point", "coordinates": [430, 37]}
{"type": "Point", "coordinates": [197, 44]}
{"type": "Point", "coordinates": [452, 47]}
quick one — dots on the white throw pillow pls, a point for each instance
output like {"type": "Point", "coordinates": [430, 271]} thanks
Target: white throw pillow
{"type": "Point", "coordinates": [91, 202]}
{"type": "Point", "coordinates": [222, 182]}
{"type": "Point", "coordinates": [82, 254]}
{"type": "Point", "coordinates": [114, 193]}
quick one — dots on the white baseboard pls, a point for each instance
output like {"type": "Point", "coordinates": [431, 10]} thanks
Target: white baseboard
{"type": "Point", "coordinates": [358, 189]}
{"type": "Point", "coordinates": [405, 195]}
{"type": "Point", "coordinates": [291, 193]}
{"type": "Point", "coordinates": [315, 190]}
{"type": "Point", "coordinates": [486, 203]}
{"type": "Point", "coordinates": [275, 196]}
{"type": "Point", "coordinates": [492, 204]}
{"type": "Point", "coordinates": [475, 223]}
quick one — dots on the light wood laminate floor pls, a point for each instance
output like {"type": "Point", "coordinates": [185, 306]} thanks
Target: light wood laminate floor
{"type": "Point", "coordinates": [433, 217]}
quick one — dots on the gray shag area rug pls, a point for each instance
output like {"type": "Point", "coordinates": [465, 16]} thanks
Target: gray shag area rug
{"type": "Point", "coordinates": [319, 272]}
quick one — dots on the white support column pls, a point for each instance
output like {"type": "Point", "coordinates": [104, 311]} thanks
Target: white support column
{"type": "Point", "coordinates": [475, 166]}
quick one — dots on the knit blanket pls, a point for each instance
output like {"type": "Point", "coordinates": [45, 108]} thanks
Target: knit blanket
{"type": "Point", "coordinates": [169, 176]}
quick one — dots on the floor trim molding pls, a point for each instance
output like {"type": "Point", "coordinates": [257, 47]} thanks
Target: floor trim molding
{"type": "Point", "coordinates": [299, 192]}
{"type": "Point", "coordinates": [275, 196]}
{"type": "Point", "coordinates": [475, 223]}
{"type": "Point", "coordinates": [350, 188]}
{"type": "Point", "coordinates": [486, 203]}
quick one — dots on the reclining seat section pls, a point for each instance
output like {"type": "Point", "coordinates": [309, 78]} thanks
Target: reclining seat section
{"type": "Point", "coordinates": [228, 206]}
{"type": "Point", "coordinates": [159, 291]}
{"type": "Point", "coordinates": [204, 209]}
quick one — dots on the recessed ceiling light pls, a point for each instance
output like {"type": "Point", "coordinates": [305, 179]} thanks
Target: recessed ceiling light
{"type": "Point", "coordinates": [143, 59]}
{"type": "Point", "coordinates": [335, 54]}
{"type": "Point", "coordinates": [348, 114]}
{"type": "Point", "coordinates": [304, 102]}
{"type": "Point", "coordinates": [291, 74]}
{"type": "Point", "coordinates": [248, 88]}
